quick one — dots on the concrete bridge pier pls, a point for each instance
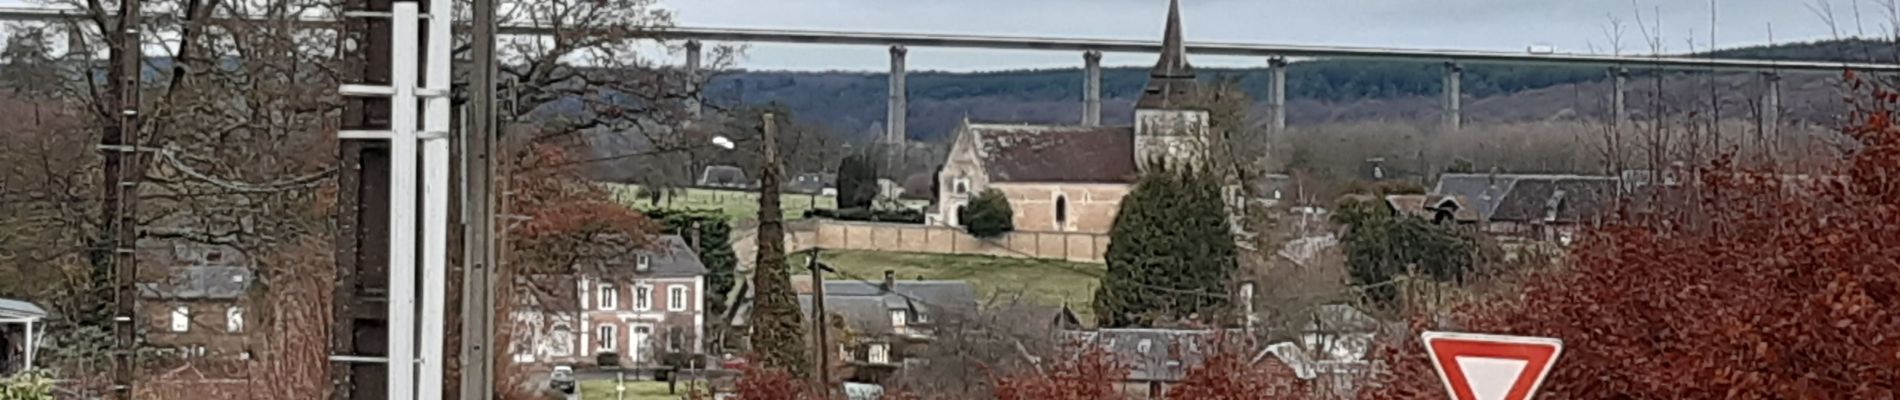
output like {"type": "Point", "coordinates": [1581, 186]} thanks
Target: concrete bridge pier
{"type": "Point", "coordinates": [1092, 88]}
{"type": "Point", "coordinates": [1619, 96]}
{"type": "Point", "coordinates": [1454, 76]}
{"type": "Point", "coordinates": [1771, 110]}
{"type": "Point", "coordinates": [898, 105]}
{"type": "Point", "coordinates": [1276, 93]}
{"type": "Point", "coordinates": [692, 78]}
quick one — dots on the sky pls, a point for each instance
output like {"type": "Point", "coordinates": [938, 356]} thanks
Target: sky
{"type": "Point", "coordinates": [1569, 26]}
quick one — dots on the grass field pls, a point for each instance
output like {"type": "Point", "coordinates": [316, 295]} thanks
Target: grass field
{"type": "Point", "coordinates": [738, 205]}
{"type": "Point", "coordinates": [636, 390]}
{"type": "Point", "coordinates": [1041, 281]}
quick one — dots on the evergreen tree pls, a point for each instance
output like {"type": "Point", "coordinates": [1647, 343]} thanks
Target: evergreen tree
{"type": "Point", "coordinates": [857, 180]}
{"type": "Point", "coordinates": [1170, 252]}
{"type": "Point", "coordinates": [988, 215]}
{"type": "Point", "coordinates": [709, 227]}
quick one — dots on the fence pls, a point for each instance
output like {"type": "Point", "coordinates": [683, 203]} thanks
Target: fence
{"type": "Point", "coordinates": [875, 236]}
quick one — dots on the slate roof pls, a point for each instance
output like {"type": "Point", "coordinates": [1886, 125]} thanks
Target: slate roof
{"type": "Point", "coordinates": [670, 257]}
{"type": "Point", "coordinates": [1427, 206]}
{"type": "Point", "coordinates": [1571, 200]}
{"type": "Point", "coordinates": [1525, 198]}
{"type": "Point", "coordinates": [862, 313]}
{"type": "Point", "coordinates": [1172, 80]}
{"type": "Point", "coordinates": [1162, 355]}
{"type": "Point", "coordinates": [1053, 153]}
{"type": "Point", "coordinates": [200, 283]}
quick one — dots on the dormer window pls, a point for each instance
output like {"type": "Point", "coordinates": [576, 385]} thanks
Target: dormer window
{"type": "Point", "coordinates": [899, 320]}
{"type": "Point", "coordinates": [642, 262]}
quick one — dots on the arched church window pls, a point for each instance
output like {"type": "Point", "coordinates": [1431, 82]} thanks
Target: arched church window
{"type": "Point", "coordinates": [1062, 211]}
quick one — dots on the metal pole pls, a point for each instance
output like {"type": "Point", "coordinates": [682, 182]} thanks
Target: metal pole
{"type": "Point", "coordinates": [402, 201]}
{"type": "Point", "coordinates": [123, 168]}
{"type": "Point", "coordinates": [435, 202]}
{"type": "Point", "coordinates": [1454, 76]}
{"type": "Point", "coordinates": [478, 199]}
{"type": "Point", "coordinates": [1276, 93]}
{"type": "Point", "coordinates": [819, 319]}
{"type": "Point", "coordinates": [1092, 88]}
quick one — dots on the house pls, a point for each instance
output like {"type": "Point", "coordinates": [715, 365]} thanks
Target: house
{"type": "Point", "coordinates": [199, 312]}
{"type": "Point", "coordinates": [1071, 178]}
{"type": "Point", "coordinates": [645, 310]}
{"type": "Point", "coordinates": [1537, 207]}
{"type": "Point", "coordinates": [1160, 358]}
{"type": "Point", "coordinates": [21, 331]}
{"type": "Point", "coordinates": [889, 321]}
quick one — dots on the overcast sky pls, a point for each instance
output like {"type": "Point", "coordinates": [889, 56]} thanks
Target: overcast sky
{"type": "Point", "coordinates": [1504, 25]}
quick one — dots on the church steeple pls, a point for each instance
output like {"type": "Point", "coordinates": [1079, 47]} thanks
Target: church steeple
{"type": "Point", "coordinates": [1172, 79]}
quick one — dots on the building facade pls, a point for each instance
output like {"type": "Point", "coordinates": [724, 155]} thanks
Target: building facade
{"type": "Point", "coordinates": [1071, 178]}
{"type": "Point", "coordinates": [643, 311]}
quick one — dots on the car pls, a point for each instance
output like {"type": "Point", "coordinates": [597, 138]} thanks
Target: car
{"type": "Point", "coordinates": [562, 379]}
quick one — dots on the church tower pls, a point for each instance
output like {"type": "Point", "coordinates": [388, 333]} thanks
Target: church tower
{"type": "Point", "coordinates": [1166, 129]}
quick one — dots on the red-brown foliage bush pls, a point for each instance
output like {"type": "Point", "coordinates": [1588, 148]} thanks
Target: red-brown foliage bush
{"type": "Point", "coordinates": [1747, 284]}
{"type": "Point", "coordinates": [1226, 372]}
{"type": "Point", "coordinates": [1082, 374]}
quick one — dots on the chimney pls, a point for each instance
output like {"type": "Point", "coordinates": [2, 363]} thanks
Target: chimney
{"type": "Point", "coordinates": [890, 280]}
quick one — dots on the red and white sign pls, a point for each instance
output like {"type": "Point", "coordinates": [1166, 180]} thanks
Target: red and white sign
{"type": "Point", "coordinates": [1491, 367]}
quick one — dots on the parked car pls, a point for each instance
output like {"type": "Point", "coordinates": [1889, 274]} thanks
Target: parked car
{"type": "Point", "coordinates": [562, 379]}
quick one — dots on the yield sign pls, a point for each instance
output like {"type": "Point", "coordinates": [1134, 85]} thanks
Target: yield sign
{"type": "Point", "coordinates": [1491, 367]}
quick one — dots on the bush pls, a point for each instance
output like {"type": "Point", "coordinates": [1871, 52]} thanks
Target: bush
{"type": "Point", "coordinates": [857, 180]}
{"type": "Point", "coordinates": [988, 215]}
{"type": "Point", "coordinates": [29, 385]}
{"type": "Point", "coordinates": [903, 215]}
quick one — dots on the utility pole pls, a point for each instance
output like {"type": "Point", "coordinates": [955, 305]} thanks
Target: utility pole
{"type": "Point", "coordinates": [819, 319]}
{"type": "Point", "coordinates": [358, 344]}
{"type": "Point", "coordinates": [123, 168]}
{"type": "Point", "coordinates": [478, 231]}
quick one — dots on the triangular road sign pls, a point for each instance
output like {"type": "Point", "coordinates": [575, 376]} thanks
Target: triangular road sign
{"type": "Point", "coordinates": [1491, 367]}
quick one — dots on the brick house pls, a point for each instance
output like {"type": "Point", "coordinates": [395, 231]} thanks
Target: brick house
{"type": "Point", "coordinates": [199, 313]}
{"type": "Point", "coordinates": [636, 310]}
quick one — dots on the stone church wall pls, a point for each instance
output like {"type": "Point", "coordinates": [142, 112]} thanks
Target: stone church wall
{"type": "Point", "coordinates": [908, 238]}
{"type": "Point", "coordinates": [1090, 208]}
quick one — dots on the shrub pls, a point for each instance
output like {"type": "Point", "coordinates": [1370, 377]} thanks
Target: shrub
{"type": "Point", "coordinates": [988, 215]}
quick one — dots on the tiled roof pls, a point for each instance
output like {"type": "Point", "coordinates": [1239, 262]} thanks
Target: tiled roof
{"type": "Point", "coordinates": [200, 283]}
{"type": "Point", "coordinates": [670, 257]}
{"type": "Point", "coordinates": [1172, 80]}
{"type": "Point", "coordinates": [1427, 206]}
{"type": "Point", "coordinates": [1043, 153]}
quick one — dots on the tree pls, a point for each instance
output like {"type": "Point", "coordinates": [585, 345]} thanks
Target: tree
{"type": "Point", "coordinates": [1744, 282]}
{"type": "Point", "coordinates": [1381, 247]}
{"type": "Point", "coordinates": [778, 327]}
{"type": "Point", "coordinates": [1171, 251]}
{"type": "Point", "coordinates": [988, 215]}
{"type": "Point", "coordinates": [857, 180]}
{"type": "Point", "coordinates": [712, 233]}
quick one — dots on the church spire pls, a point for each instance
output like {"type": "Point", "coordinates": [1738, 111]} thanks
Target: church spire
{"type": "Point", "coordinates": [1172, 78]}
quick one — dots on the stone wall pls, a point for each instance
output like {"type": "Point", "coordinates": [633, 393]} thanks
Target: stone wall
{"type": "Point", "coordinates": [909, 238]}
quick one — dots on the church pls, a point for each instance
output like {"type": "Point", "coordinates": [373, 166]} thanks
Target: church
{"type": "Point", "coordinates": [1071, 178]}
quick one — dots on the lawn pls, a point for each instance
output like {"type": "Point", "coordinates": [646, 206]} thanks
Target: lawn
{"type": "Point", "coordinates": [636, 390]}
{"type": "Point", "coordinates": [738, 205]}
{"type": "Point", "coordinates": [1042, 281]}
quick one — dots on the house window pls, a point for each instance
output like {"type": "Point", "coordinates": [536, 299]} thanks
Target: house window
{"type": "Point", "coordinates": [878, 354]}
{"type": "Point", "coordinates": [642, 297]}
{"type": "Point", "coordinates": [676, 298]}
{"type": "Point", "coordinates": [642, 262]}
{"type": "Point", "coordinates": [234, 319]}
{"type": "Point", "coordinates": [1062, 211]}
{"type": "Point", "coordinates": [1144, 346]}
{"type": "Point", "coordinates": [607, 299]}
{"type": "Point", "coordinates": [898, 320]}
{"type": "Point", "coordinates": [181, 319]}
{"type": "Point", "coordinates": [606, 338]}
